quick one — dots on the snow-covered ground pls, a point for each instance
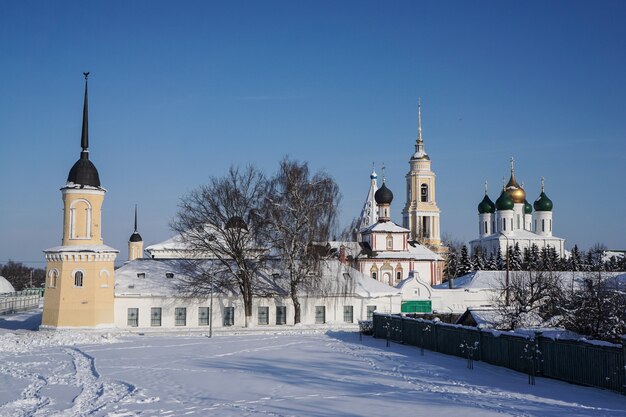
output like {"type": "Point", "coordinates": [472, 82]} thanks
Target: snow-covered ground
{"type": "Point", "coordinates": [290, 372]}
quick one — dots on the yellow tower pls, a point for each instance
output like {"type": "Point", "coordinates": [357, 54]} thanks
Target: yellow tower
{"type": "Point", "coordinates": [421, 214]}
{"type": "Point", "coordinates": [135, 243]}
{"type": "Point", "coordinates": [79, 273]}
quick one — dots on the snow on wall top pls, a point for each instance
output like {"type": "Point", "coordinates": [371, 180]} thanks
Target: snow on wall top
{"type": "Point", "coordinates": [390, 227]}
{"type": "Point", "coordinates": [82, 248]}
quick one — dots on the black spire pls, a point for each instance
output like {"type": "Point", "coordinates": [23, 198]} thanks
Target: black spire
{"type": "Point", "coordinates": [84, 139]}
{"type": "Point", "coordinates": [135, 217]}
{"type": "Point", "coordinates": [135, 237]}
{"type": "Point", "coordinates": [84, 171]}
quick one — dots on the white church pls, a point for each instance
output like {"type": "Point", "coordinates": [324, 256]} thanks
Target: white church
{"type": "Point", "coordinates": [511, 221]}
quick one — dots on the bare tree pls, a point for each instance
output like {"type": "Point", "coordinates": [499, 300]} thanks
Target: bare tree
{"type": "Point", "coordinates": [302, 210]}
{"type": "Point", "coordinates": [222, 220]}
{"type": "Point", "coordinates": [531, 297]}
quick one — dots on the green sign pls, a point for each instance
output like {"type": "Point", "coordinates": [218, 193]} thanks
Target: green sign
{"type": "Point", "coordinates": [422, 306]}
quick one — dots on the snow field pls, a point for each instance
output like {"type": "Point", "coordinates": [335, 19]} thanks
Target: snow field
{"type": "Point", "coordinates": [295, 373]}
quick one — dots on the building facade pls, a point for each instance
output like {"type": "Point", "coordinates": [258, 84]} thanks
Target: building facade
{"type": "Point", "coordinates": [511, 221]}
{"type": "Point", "coordinates": [421, 214]}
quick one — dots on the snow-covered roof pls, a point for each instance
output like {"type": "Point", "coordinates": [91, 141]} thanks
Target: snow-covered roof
{"type": "Point", "coordinates": [5, 286]}
{"type": "Point", "coordinates": [494, 279]}
{"type": "Point", "coordinates": [517, 234]}
{"type": "Point", "coordinates": [147, 277]}
{"type": "Point", "coordinates": [173, 243]}
{"type": "Point", "coordinates": [389, 227]}
{"type": "Point", "coordinates": [82, 248]}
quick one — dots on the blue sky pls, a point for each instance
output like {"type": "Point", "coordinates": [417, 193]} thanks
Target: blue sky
{"type": "Point", "coordinates": [181, 90]}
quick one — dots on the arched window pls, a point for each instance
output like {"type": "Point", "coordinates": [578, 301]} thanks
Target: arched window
{"type": "Point", "coordinates": [78, 279]}
{"type": "Point", "coordinates": [424, 192]}
{"type": "Point", "coordinates": [54, 276]}
{"type": "Point", "coordinates": [398, 276]}
{"type": "Point", "coordinates": [503, 224]}
{"type": "Point", "coordinates": [80, 219]}
{"type": "Point", "coordinates": [486, 231]}
{"type": "Point", "coordinates": [543, 225]}
{"type": "Point", "coordinates": [389, 242]}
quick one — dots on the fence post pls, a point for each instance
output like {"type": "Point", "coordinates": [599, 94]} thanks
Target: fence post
{"type": "Point", "coordinates": [623, 369]}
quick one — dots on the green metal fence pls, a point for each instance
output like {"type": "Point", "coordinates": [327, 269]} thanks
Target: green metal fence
{"type": "Point", "coordinates": [597, 365]}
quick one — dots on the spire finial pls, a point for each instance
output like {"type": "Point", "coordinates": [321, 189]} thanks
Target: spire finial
{"type": "Point", "coordinates": [135, 218]}
{"type": "Point", "coordinates": [84, 139]}
{"type": "Point", "coordinates": [485, 187]}
{"type": "Point", "coordinates": [542, 184]}
{"type": "Point", "coordinates": [383, 172]}
{"type": "Point", "coordinates": [503, 184]}
{"type": "Point", "coordinates": [419, 119]}
{"type": "Point", "coordinates": [512, 165]}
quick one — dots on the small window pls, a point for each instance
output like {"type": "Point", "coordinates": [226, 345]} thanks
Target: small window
{"type": "Point", "coordinates": [155, 316]}
{"type": "Point", "coordinates": [424, 193]}
{"type": "Point", "coordinates": [389, 242]}
{"type": "Point", "coordinates": [320, 314]}
{"type": "Point", "coordinates": [550, 224]}
{"type": "Point", "coordinates": [374, 275]}
{"type": "Point", "coordinates": [229, 316]}
{"type": "Point", "coordinates": [486, 231]}
{"type": "Point", "coordinates": [503, 224]}
{"type": "Point", "coordinates": [348, 315]}
{"type": "Point", "coordinates": [370, 312]}
{"type": "Point", "coordinates": [535, 225]}
{"type": "Point", "coordinates": [543, 225]}
{"type": "Point", "coordinates": [54, 275]}
{"type": "Point", "coordinates": [141, 275]}
{"type": "Point", "coordinates": [180, 314]}
{"type": "Point", "coordinates": [281, 315]}
{"type": "Point", "coordinates": [78, 279]}
{"type": "Point", "coordinates": [169, 275]}
{"type": "Point", "coordinates": [263, 315]}
{"type": "Point", "coordinates": [398, 276]}
{"type": "Point", "coordinates": [203, 316]}
{"type": "Point", "coordinates": [133, 317]}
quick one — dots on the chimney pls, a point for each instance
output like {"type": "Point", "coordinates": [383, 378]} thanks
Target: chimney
{"type": "Point", "coordinates": [342, 254]}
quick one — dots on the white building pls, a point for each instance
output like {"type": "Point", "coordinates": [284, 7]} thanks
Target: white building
{"type": "Point", "coordinates": [511, 221]}
{"type": "Point", "coordinates": [148, 295]}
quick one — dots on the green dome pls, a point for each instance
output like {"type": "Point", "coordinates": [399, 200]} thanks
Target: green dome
{"type": "Point", "coordinates": [486, 206]}
{"type": "Point", "coordinates": [543, 203]}
{"type": "Point", "coordinates": [504, 202]}
{"type": "Point", "coordinates": [528, 209]}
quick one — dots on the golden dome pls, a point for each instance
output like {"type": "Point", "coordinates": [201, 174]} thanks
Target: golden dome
{"type": "Point", "coordinates": [514, 190]}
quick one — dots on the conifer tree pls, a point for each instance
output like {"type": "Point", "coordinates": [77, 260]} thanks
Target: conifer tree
{"type": "Point", "coordinates": [465, 263]}
{"type": "Point", "coordinates": [515, 259]}
{"type": "Point", "coordinates": [575, 259]}
{"type": "Point", "coordinates": [500, 263]}
{"type": "Point", "coordinates": [491, 263]}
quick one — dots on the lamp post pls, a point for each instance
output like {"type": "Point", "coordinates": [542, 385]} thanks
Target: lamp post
{"type": "Point", "coordinates": [506, 292]}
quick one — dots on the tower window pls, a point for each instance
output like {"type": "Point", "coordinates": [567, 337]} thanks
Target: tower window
{"type": "Point", "coordinates": [78, 279]}
{"type": "Point", "coordinates": [424, 193]}
{"type": "Point", "coordinates": [374, 275]}
{"type": "Point", "coordinates": [503, 224]}
{"type": "Point", "coordinates": [398, 276]}
{"type": "Point", "coordinates": [550, 224]}
{"type": "Point", "coordinates": [54, 275]}
{"type": "Point", "coordinates": [543, 225]}
{"type": "Point", "coordinates": [486, 231]}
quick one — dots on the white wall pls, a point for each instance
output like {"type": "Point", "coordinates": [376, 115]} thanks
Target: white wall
{"type": "Point", "coordinates": [334, 309]}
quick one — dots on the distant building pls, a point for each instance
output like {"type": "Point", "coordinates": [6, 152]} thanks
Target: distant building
{"type": "Point", "coordinates": [511, 221]}
{"type": "Point", "coordinates": [421, 214]}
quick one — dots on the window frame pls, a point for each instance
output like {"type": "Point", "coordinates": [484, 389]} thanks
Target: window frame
{"type": "Point", "coordinates": [153, 316]}
{"type": "Point", "coordinates": [204, 320]}
{"type": "Point", "coordinates": [130, 320]}
{"type": "Point", "coordinates": [282, 315]}
{"type": "Point", "coordinates": [79, 280]}
{"type": "Point", "coordinates": [180, 320]}
{"type": "Point", "coordinates": [348, 312]}
{"type": "Point", "coordinates": [228, 319]}
{"type": "Point", "coordinates": [266, 314]}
